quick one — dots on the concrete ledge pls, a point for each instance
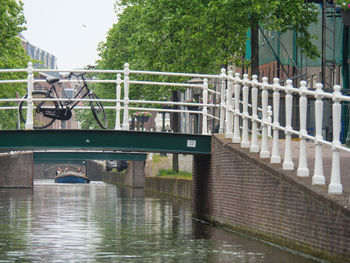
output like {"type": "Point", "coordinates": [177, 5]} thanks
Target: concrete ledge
{"type": "Point", "coordinates": [170, 186]}
{"type": "Point", "coordinates": [133, 177]}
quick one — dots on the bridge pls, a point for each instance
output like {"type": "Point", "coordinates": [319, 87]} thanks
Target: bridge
{"type": "Point", "coordinates": [116, 140]}
{"type": "Point", "coordinates": [240, 177]}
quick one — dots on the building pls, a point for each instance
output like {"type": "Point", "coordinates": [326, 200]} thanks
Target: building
{"type": "Point", "coordinates": [65, 90]}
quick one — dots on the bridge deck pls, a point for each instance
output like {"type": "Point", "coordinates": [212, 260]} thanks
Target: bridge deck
{"type": "Point", "coordinates": [130, 141]}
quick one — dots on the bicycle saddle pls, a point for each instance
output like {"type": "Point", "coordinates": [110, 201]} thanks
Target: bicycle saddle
{"type": "Point", "coordinates": [52, 80]}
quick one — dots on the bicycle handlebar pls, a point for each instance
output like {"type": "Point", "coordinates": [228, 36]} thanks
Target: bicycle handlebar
{"type": "Point", "coordinates": [80, 74]}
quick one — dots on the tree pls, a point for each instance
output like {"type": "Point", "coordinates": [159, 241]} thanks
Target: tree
{"type": "Point", "coordinates": [196, 35]}
{"type": "Point", "coordinates": [282, 15]}
{"type": "Point", "coordinates": [199, 35]}
{"type": "Point", "coordinates": [12, 55]}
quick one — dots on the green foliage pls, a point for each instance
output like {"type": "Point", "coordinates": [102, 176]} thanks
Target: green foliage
{"type": "Point", "coordinates": [194, 36]}
{"type": "Point", "coordinates": [343, 4]}
{"type": "Point", "coordinates": [12, 55]}
{"type": "Point", "coordinates": [197, 35]}
{"type": "Point", "coordinates": [174, 174]}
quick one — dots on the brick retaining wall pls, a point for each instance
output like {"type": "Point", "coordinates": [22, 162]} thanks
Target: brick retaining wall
{"type": "Point", "coordinates": [234, 189]}
{"type": "Point", "coordinates": [16, 170]}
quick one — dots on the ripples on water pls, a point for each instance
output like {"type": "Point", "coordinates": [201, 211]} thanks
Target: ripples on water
{"type": "Point", "coordinates": [102, 223]}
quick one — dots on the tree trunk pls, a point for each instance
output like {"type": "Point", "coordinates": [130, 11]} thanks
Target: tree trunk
{"type": "Point", "coordinates": [255, 47]}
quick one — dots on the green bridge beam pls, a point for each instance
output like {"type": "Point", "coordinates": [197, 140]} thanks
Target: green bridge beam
{"type": "Point", "coordinates": [134, 141]}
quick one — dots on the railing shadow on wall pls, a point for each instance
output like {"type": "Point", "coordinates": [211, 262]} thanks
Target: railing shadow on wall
{"type": "Point", "coordinates": [244, 114]}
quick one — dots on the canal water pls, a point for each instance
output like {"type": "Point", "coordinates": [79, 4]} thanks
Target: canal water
{"type": "Point", "coordinates": [100, 222]}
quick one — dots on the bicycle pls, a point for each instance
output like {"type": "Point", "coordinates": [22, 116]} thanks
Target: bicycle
{"type": "Point", "coordinates": [47, 112]}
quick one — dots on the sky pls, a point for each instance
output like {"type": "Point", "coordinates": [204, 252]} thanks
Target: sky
{"type": "Point", "coordinates": [69, 29]}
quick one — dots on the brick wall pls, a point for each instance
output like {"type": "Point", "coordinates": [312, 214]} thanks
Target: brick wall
{"type": "Point", "coordinates": [94, 171]}
{"type": "Point", "coordinates": [16, 170]}
{"type": "Point", "coordinates": [234, 189]}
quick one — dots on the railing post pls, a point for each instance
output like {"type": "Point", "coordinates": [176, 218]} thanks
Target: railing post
{"type": "Point", "coordinates": [126, 97]}
{"type": "Point", "coordinates": [245, 135]}
{"type": "Point", "coordinates": [318, 177]}
{"type": "Point", "coordinates": [205, 108]}
{"type": "Point", "coordinates": [264, 153]}
{"type": "Point", "coordinates": [335, 186]}
{"type": "Point", "coordinates": [229, 115]}
{"type": "Point", "coordinates": [117, 108]}
{"type": "Point", "coordinates": [30, 87]}
{"type": "Point", "coordinates": [222, 101]}
{"type": "Point", "coordinates": [303, 170]}
{"type": "Point", "coordinates": [254, 146]}
{"type": "Point", "coordinates": [236, 138]}
{"type": "Point", "coordinates": [275, 154]}
{"type": "Point", "coordinates": [288, 161]}
{"type": "Point", "coordinates": [269, 120]}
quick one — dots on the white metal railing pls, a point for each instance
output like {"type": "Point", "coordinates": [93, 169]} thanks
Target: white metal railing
{"type": "Point", "coordinates": [244, 113]}
{"type": "Point", "coordinates": [250, 89]}
{"type": "Point", "coordinates": [125, 103]}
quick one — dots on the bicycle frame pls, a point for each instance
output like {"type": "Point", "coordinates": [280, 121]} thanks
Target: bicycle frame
{"type": "Point", "coordinates": [66, 104]}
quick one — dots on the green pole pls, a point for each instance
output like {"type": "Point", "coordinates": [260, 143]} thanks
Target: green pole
{"type": "Point", "coordinates": [346, 80]}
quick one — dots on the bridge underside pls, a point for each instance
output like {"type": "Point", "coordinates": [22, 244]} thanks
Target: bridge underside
{"type": "Point", "coordinates": [77, 157]}
{"type": "Point", "coordinates": [111, 140]}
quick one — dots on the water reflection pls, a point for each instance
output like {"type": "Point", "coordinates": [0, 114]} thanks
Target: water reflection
{"type": "Point", "coordinates": [102, 223]}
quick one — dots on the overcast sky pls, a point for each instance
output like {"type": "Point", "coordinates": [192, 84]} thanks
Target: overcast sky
{"type": "Point", "coordinates": [69, 29]}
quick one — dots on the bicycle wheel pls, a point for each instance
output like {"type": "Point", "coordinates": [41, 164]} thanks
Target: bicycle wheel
{"type": "Point", "coordinates": [98, 111]}
{"type": "Point", "coordinates": [39, 120]}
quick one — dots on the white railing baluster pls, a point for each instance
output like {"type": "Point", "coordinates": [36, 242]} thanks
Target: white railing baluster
{"type": "Point", "coordinates": [236, 138]}
{"type": "Point", "coordinates": [318, 177]}
{"type": "Point", "coordinates": [118, 107]}
{"type": "Point", "coordinates": [30, 88]}
{"type": "Point", "coordinates": [205, 110]}
{"type": "Point", "coordinates": [254, 146]}
{"type": "Point", "coordinates": [229, 115]}
{"type": "Point", "coordinates": [269, 120]}
{"type": "Point", "coordinates": [288, 161]}
{"type": "Point", "coordinates": [335, 186]}
{"type": "Point", "coordinates": [126, 97]}
{"type": "Point", "coordinates": [275, 154]}
{"type": "Point", "coordinates": [222, 100]}
{"type": "Point", "coordinates": [245, 135]}
{"type": "Point", "coordinates": [303, 170]}
{"type": "Point", "coordinates": [264, 152]}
